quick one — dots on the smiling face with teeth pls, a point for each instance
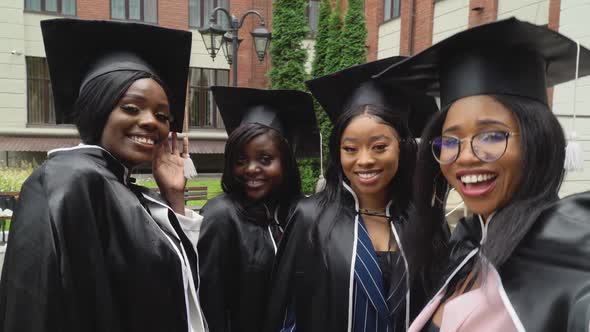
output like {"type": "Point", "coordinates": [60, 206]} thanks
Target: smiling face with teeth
{"type": "Point", "coordinates": [139, 121]}
{"type": "Point", "coordinates": [369, 156]}
{"type": "Point", "coordinates": [485, 187]}
{"type": "Point", "coordinates": [259, 167]}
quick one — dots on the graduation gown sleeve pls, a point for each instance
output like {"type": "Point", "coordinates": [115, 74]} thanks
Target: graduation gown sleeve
{"type": "Point", "coordinates": [218, 264]}
{"type": "Point", "coordinates": [53, 253]}
{"type": "Point", "coordinates": [288, 276]}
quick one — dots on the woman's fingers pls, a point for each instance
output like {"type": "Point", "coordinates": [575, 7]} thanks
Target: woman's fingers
{"type": "Point", "coordinates": [185, 147]}
{"type": "Point", "coordinates": [174, 138]}
{"type": "Point", "coordinates": [165, 145]}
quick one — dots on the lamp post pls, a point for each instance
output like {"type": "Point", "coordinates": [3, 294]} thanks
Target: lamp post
{"type": "Point", "coordinates": [227, 47]}
{"type": "Point", "coordinates": [216, 37]}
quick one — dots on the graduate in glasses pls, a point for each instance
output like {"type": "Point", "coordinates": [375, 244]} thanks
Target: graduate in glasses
{"type": "Point", "coordinates": [242, 228]}
{"type": "Point", "coordinates": [521, 262]}
{"type": "Point", "coordinates": [342, 267]}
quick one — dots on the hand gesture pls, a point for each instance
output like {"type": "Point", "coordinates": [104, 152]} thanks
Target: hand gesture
{"type": "Point", "coordinates": [168, 170]}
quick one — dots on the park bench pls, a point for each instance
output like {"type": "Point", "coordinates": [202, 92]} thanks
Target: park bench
{"type": "Point", "coordinates": [191, 193]}
{"type": "Point", "coordinates": [194, 194]}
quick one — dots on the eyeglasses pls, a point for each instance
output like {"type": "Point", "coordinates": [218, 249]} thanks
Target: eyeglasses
{"type": "Point", "coordinates": [487, 146]}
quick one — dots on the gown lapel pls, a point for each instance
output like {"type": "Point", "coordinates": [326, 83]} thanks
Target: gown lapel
{"type": "Point", "coordinates": [368, 275]}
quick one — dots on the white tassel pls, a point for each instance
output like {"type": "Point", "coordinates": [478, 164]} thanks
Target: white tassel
{"type": "Point", "coordinates": [321, 184]}
{"type": "Point", "coordinates": [190, 171]}
{"type": "Point", "coordinates": [574, 155]}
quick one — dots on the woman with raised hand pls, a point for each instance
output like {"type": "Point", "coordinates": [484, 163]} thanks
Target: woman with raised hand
{"type": "Point", "coordinates": [342, 266]}
{"type": "Point", "coordinates": [243, 227]}
{"type": "Point", "coordinates": [88, 249]}
{"type": "Point", "coordinates": [521, 262]}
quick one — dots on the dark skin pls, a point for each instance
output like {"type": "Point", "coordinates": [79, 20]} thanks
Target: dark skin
{"type": "Point", "coordinates": [369, 155]}
{"type": "Point", "coordinates": [259, 167]}
{"type": "Point", "coordinates": [467, 117]}
{"type": "Point", "coordinates": [137, 132]}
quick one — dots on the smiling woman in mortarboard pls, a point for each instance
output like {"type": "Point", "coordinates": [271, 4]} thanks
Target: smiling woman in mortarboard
{"type": "Point", "coordinates": [521, 262]}
{"type": "Point", "coordinates": [89, 250]}
{"type": "Point", "coordinates": [342, 267]}
{"type": "Point", "coordinates": [242, 228]}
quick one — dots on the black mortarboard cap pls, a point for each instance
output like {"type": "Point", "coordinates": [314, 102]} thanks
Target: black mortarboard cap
{"type": "Point", "coordinates": [508, 57]}
{"type": "Point", "coordinates": [354, 86]}
{"type": "Point", "coordinates": [290, 112]}
{"type": "Point", "coordinates": [80, 50]}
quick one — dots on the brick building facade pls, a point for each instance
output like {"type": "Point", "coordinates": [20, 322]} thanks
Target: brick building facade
{"type": "Point", "coordinates": [27, 126]}
{"type": "Point", "coordinates": [395, 27]}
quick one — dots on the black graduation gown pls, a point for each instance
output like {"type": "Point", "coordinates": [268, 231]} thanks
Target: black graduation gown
{"type": "Point", "coordinates": [313, 273]}
{"type": "Point", "coordinates": [236, 258]}
{"type": "Point", "coordinates": [84, 255]}
{"type": "Point", "coordinates": [547, 278]}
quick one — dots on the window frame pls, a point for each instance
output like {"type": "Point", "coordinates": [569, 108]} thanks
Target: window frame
{"type": "Point", "coordinates": [141, 12]}
{"type": "Point", "coordinates": [201, 115]}
{"type": "Point", "coordinates": [46, 101]}
{"type": "Point", "coordinates": [205, 17]}
{"type": "Point", "coordinates": [392, 11]}
{"type": "Point", "coordinates": [59, 12]}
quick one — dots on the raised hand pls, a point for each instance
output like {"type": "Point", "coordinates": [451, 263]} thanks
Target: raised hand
{"type": "Point", "coordinates": [168, 170]}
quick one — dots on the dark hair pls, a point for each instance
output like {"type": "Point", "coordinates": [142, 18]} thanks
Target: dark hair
{"type": "Point", "coordinates": [98, 99]}
{"type": "Point", "coordinates": [289, 189]}
{"type": "Point", "coordinates": [400, 187]}
{"type": "Point", "coordinates": [540, 136]}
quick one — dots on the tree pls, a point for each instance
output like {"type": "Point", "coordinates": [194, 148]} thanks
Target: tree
{"type": "Point", "coordinates": [334, 41]}
{"type": "Point", "coordinates": [321, 40]}
{"type": "Point", "coordinates": [354, 51]}
{"type": "Point", "coordinates": [288, 63]}
{"type": "Point", "coordinates": [288, 56]}
{"type": "Point", "coordinates": [318, 69]}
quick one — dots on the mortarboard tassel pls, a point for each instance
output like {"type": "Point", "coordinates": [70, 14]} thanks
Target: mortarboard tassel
{"type": "Point", "coordinates": [190, 171]}
{"type": "Point", "coordinates": [321, 184]}
{"type": "Point", "coordinates": [574, 157]}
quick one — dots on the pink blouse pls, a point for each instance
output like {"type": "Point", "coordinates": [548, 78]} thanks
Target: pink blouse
{"type": "Point", "coordinates": [486, 308]}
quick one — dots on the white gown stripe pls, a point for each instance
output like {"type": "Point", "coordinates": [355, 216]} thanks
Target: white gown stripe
{"type": "Point", "coordinates": [351, 279]}
{"type": "Point", "coordinates": [401, 248]}
{"type": "Point", "coordinates": [515, 319]}
{"type": "Point", "coordinates": [274, 245]}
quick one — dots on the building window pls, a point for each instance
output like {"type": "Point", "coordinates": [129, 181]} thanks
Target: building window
{"type": "Point", "coordinates": [135, 10]}
{"type": "Point", "coordinates": [313, 13]}
{"type": "Point", "coordinates": [391, 9]}
{"type": "Point", "coordinates": [63, 7]}
{"type": "Point", "coordinates": [40, 109]}
{"type": "Point", "coordinates": [200, 10]}
{"type": "Point", "coordinates": [203, 110]}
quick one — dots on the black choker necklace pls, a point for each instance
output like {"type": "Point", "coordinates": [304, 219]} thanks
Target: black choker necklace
{"type": "Point", "coordinates": [376, 213]}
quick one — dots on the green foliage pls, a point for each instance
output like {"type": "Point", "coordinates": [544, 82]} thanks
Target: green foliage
{"type": "Point", "coordinates": [12, 178]}
{"type": "Point", "coordinates": [321, 40]}
{"type": "Point", "coordinates": [213, 187]}
{"type": "Point", "coordinates": [288, 55]}
{"type": "Point", "coordinates": [353, 50]}
{"type": "Point", "coordinates": [318, 70]}
{"type": "Point", "coordinates": [309, 171]}
{"type": "Point", "coordinates": [288, 64]}
{"type": "Point", "coordinates": [334, 42]}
